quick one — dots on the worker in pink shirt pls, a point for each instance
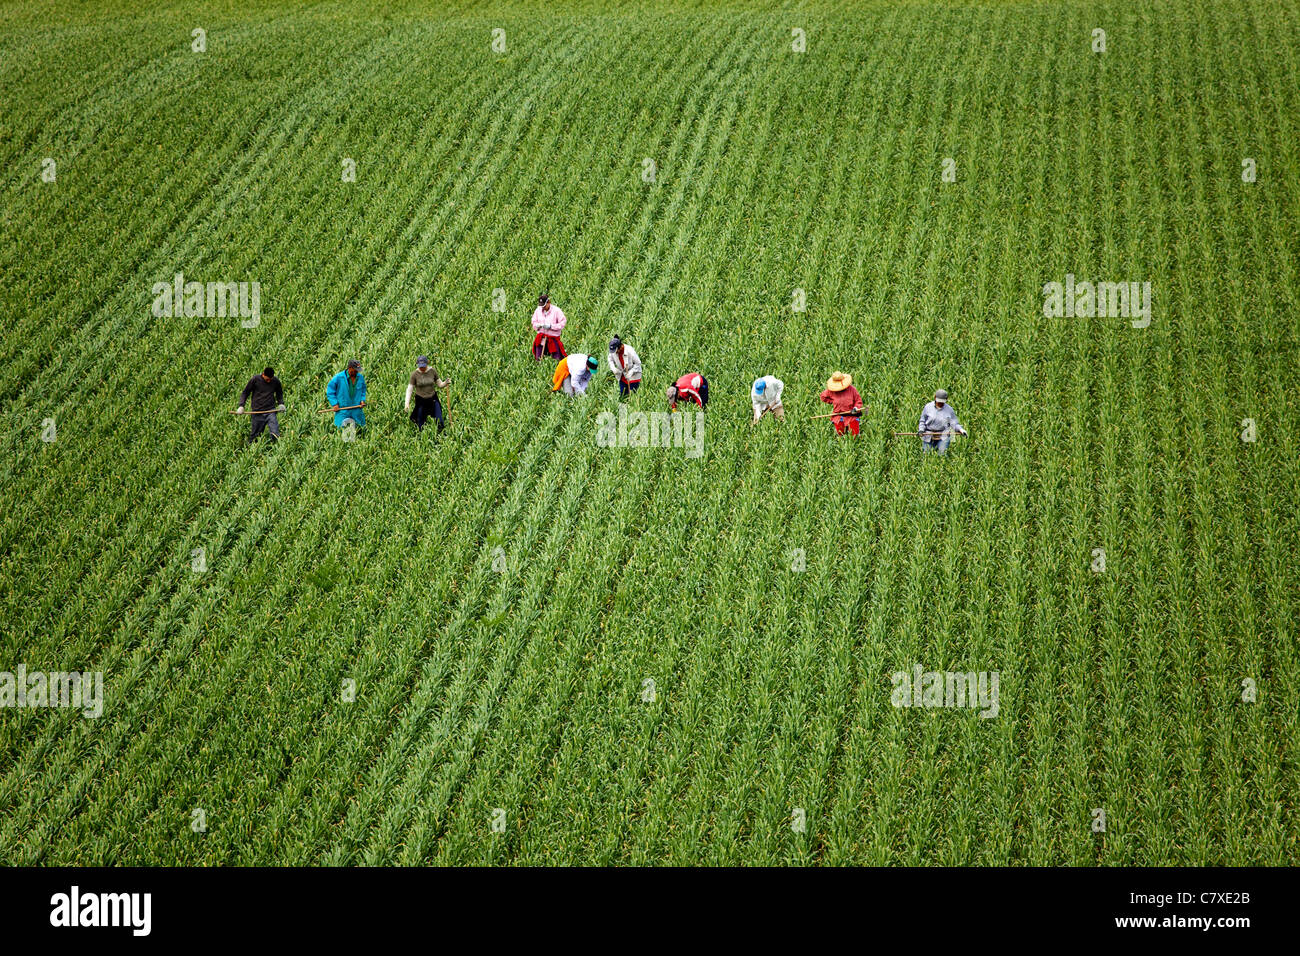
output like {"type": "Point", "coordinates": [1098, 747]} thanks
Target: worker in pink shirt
{"type": "Point", "coordinates": [548, 321]}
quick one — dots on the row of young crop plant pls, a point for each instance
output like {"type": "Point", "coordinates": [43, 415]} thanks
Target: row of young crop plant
{"type": "Point", "coordinates": [1032, 462]}
{"type": "Point", "coordinates": [622, 479]}
{"type": "Point", "coordinates": [577, 437]}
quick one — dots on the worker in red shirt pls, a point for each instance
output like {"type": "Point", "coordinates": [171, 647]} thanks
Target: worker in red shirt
{"type": "Point", "coordinates": [844, 401]}
{"type": "Point", "coordinates": [690, 387]}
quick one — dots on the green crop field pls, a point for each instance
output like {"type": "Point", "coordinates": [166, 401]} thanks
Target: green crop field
{"type": "Point", "coordinates": [511, 644]}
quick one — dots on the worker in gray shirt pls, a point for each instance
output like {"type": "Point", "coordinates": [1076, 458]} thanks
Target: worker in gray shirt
{"type": "Point", "coordinates": [938, 424]}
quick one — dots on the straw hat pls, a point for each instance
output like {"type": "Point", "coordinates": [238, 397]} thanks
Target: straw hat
{"type": "Point", "coordinates": [839, 382]}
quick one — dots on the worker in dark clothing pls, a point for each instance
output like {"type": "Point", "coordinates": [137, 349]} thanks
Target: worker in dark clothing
{"type": "Point", "coordinates": [267, 397]}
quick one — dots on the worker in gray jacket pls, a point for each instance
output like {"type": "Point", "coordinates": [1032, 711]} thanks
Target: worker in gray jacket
{"type": "Point", "coordinates": [938, 424]}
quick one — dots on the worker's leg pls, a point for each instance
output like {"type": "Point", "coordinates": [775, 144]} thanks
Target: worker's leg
{"type": "Point", "coordinates": [257, 422]}
{"type": "Point", "coordinates": [853, 426]}
{"type": "Point", "coordinates": [437, 413]}
{"type": "Point", "coordinates": [943, 444]}
{"type": "Point", "coordinates": [838, 422]}
{"type": "Point", "coordinates": [273, 427]}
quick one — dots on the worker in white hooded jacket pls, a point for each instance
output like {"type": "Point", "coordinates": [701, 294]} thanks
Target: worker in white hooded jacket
{"type": "Point", "coordinates": [574, 373]}
{"type": "Point", "coordinates": [765, 396]}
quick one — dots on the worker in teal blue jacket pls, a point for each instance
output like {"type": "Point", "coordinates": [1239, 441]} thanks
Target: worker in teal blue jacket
{"type": "Point", "coordinates": [347, 388]}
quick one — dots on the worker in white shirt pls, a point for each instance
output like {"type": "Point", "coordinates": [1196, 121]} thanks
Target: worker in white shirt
{"type": "Point", "coordinates": [574, 373]}
{"type": "Point", "coordinates": [765, 396]}
{"type": "Point", "coordinates": [626, 364]}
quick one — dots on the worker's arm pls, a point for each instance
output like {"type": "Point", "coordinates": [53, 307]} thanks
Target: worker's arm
{"type": "Point", "coordinates": [922, 425]}
{"type": "Point", "coordinates": [409, 389]}
{"type": "Point", "coordinates": [361, 389]}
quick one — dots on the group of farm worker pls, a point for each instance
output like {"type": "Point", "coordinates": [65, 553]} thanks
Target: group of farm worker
{"type": "Point", "coordinates": [573, 374]}
{"type": "Point", "coordinates": [346, 391]}
{"type": "Point", "coordinates": [346, 395]}
{"type": "Point", "coordinates": [938, 419]}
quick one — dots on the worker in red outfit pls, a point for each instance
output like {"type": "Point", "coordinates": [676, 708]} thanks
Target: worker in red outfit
{"type": "Point", "coordinates": [690, 387]}
{"type": "Point", "coordinates": [548, 321]}
{"type": "Point", "coordinates": [844, 401]}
